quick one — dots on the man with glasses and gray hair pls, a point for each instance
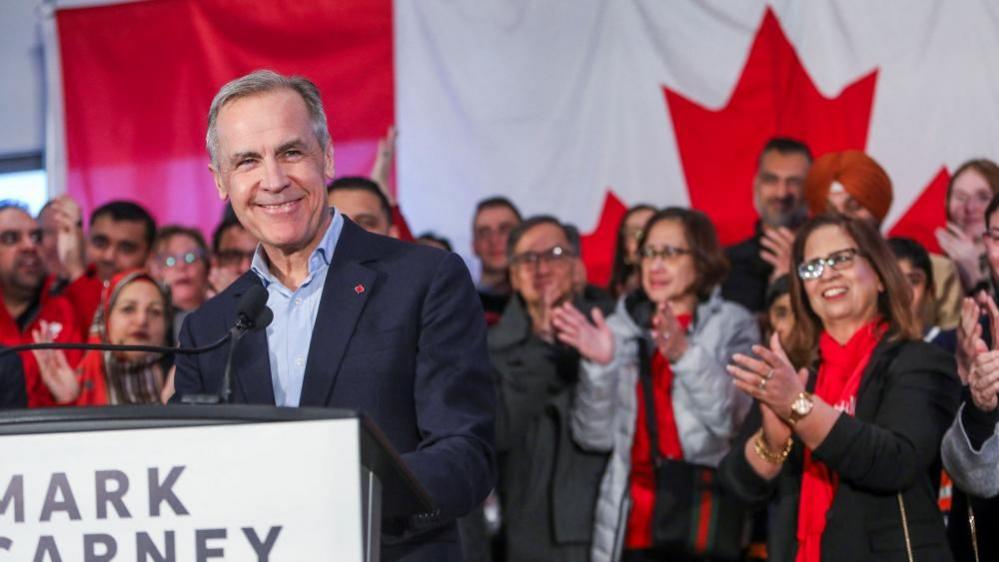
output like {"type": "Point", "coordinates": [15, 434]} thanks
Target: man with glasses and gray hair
{"type": "Point", "coordinates": [361, 321]}
{"type": "Point", "coordinates": [545, 517]}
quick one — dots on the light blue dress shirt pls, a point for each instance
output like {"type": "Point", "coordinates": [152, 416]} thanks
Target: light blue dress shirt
{"type": "Point", "coordinates": [289, 335]}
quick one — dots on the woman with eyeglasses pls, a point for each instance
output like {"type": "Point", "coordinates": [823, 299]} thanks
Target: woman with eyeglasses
{"type": "Point", "coordinates": [135, 310]}
{"type": "Point", "coordinates": [968, 194]}
{"type": "Point", "coordinates": [847, 435]}
{"type": "Point", "coordinates": [689, 333]}
{"type": "Point", "coordinates": [179, 260]}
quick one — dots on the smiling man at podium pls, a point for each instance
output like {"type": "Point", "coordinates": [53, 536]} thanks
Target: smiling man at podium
{"type": "Point", "coordinates": [361, 321]}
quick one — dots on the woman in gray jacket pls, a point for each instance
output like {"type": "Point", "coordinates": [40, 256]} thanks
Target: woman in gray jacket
{"type": "Point", "coordinates": [692, 333]}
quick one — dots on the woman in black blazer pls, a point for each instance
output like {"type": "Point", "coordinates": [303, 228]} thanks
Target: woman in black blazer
{"type": "Point", "coordinates": [848, 449]}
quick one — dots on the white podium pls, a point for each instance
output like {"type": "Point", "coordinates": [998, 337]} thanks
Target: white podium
{"type": "Point", "coordinates": [198, 483]}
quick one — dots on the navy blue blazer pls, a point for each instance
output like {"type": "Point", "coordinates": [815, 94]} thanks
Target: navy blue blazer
{"type": "Point", "coordinates": [409, 351]}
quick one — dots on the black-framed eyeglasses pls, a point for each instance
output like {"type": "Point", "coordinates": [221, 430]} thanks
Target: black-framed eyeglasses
{"type": "Point", "coordinates": [813, 269]}
{"type": "Point", "coordinates": [14, 237]}
{"type": "Point", "coordinates": [556, 254]}
{"type": "Point", "coordinates": [170, 261]}
{"type": "Point", "coordinates": [667, 252]}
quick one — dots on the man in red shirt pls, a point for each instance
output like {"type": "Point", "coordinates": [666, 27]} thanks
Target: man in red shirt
{"type": "Point", "coordinates": [120, 238]}
{"type": "Point", "coordinates": [27, 303]}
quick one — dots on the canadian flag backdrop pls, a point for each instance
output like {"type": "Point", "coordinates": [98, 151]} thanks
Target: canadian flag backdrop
{"type": "Point", "coordinates": [579, 108]}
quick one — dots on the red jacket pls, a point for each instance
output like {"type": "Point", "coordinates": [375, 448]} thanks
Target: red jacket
{"type": "Point", "coordinates": [84, 294]}
{"type": "Point", "coordinates": [55, 310]}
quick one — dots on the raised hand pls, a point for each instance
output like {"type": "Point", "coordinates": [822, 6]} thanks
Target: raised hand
{"type": "Point", "coordinates": [381, 170]}
{"type": "Point", "coordinates": [594, 342]}
{"type": "Point", "coordinates": [969, 337]}
{"type": "Point", "coordinates": [669, 337]}
{"type": "Point", "coordinates": [771, 379]}
{"type": "Point", "coordinates": [69, 236]}
{"type": "Point", "coordinates": [776, 250]}
{"type": "Point", "coordinates": [965, 252]}
{"type": "Point", "coordinates": [983, 380]}
{"type": "Point", "coordinates": [55, 371]}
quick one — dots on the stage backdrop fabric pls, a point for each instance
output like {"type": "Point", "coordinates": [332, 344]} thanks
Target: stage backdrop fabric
{"type": "Point", "coordinates": [573, 107]}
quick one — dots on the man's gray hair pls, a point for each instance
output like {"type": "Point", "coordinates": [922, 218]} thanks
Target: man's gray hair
{"type": "Point", "coordinates": [261, 82]}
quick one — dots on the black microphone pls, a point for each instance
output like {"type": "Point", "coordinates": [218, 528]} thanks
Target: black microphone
{"type": "Point", "coordinates": [252, 313]}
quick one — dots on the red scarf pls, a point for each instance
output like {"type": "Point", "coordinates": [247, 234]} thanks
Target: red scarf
{"type": "Point", "coordinates": [643, 481]}
{"type": "Point", "coordinates": [837, 383]}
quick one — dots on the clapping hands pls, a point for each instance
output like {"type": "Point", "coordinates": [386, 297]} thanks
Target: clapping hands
{"type": "Point", "coordinates": [977, 365]}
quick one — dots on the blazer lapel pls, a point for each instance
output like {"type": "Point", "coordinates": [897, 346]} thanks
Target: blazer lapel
{"type": "Point", "coordinates": [251, 364]}
{"type": "Point", "coordinates": [347, 289]}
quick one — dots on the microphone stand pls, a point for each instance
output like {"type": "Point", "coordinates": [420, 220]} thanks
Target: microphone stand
{"type": "Point", "coordinates": [236, 333]}
{"type": "Point", "coordinates": [116, 347]}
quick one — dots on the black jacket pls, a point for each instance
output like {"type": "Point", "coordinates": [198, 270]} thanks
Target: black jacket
{"type": "Point", "coordinates": [749, 276]}
{"type": "Point", "coordinates": [906, 401]}
{"type": "Point", "coordinates": [548, 485]}
{"type": "Point", "coordinates": [12, 391]}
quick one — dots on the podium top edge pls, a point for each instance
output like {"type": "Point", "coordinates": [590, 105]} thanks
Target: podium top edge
{"type": "Point", "coordinates": [46, 420]}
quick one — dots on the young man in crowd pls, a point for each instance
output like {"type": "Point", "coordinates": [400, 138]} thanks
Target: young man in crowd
{"type": "Point", "coordinates": [778, 188]}
{"type": "Point", "coordinates": [120, 238]}
{"type": "Point", "coordinates": [535, 377]}
{"type": "Point", "coordinates": [494, 218]}
{"type": "Point", "coordinates": [232, 252]}
{"type": "Point", "coordinates": [28, 308]}
{"type": "Point", "coordinates": [363, 202]}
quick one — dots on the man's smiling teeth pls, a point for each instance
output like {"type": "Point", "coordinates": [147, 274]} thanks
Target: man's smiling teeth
{"type": "Point", "coordinates": [834, 292]}
{"type": "Point", "coordinates": [279, 206]}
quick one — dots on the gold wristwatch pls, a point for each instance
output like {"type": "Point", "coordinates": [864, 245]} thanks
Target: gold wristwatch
{"type": "Point", "coordinates": [801, 407]}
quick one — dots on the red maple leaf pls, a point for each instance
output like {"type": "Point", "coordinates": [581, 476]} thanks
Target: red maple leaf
{"type": "Point", "coordinates": [597, 247]}
{"type": "Point", "coordinates": [925, 214]}
{"type": "Point", "coordinates": [774, 96]}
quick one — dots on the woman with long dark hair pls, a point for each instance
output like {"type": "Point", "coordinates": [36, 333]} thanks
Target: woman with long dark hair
{"type": "Point", "coordinates": [849, 444]}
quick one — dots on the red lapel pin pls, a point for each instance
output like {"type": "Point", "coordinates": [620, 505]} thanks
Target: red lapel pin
{"type": "Point", "coordinates": [359, 289]}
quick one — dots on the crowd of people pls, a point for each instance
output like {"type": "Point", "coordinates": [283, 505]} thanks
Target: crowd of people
{"type": "Point", "coordinates": [840, 387]}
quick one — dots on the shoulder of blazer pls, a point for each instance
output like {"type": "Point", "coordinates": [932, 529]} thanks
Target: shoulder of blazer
{"type": "Point", "coordinates": [359, 245]}
{"type": "Point", "coordinates": [895, 358]}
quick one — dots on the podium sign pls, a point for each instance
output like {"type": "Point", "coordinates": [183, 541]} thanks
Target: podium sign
{"type": "Point", "coordinates": [287, 491]}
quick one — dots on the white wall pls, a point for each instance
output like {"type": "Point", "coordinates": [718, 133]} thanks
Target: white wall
{"type": "Point", "coordinates": [22, 89]}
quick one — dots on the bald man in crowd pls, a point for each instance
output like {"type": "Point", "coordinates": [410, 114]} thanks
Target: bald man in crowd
{"type": "Point", "coordinates": [28, 307]}
{"type": "Point", "coordinates": [854, 184]}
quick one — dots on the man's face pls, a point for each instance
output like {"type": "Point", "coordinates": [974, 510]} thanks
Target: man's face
{"type": "Point", "coordinates": [365, 209]}
{"type": "Point", "coordinates": [21, 271]}
{"type": "Point", "coordinates": [490, 231]}
{"type": "Point", "coordinates": [273, 170]}
{"type": "Point", "coordinates": [236, 247]}
{"type": "Point", "coordinates": [844, 204]}
{"type": "Point", "coordinates": [50, 232]}
{"type": "Point", "coordinates": [115, 246]}
{"type": "Point", "coordinates": [778, 188]}
{"type": "Point", "coordinates": [540, 275]}
{"type": "Point", "coordinates": [781, 317]}
{"type": "Point", "coordinates": [918, 283]}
